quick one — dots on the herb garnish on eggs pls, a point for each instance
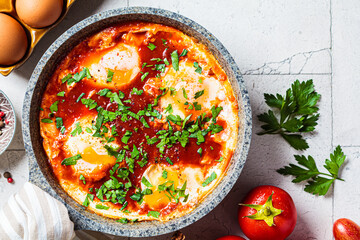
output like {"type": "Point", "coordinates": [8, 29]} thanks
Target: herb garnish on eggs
{"type": "Point", "coordinates": [143, 132]}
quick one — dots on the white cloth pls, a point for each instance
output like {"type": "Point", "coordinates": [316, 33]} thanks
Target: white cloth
{"type": "Point", "coordinates": [33, 214]}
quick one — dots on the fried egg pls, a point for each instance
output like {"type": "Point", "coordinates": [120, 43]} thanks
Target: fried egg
{"type": "Point", "coordinates": [95, 160]}
{"type": "Point", "coordinates": [113, 67]}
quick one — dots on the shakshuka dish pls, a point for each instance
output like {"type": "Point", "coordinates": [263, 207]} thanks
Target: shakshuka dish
{"type": "Point", "coordinates": [139, 122]}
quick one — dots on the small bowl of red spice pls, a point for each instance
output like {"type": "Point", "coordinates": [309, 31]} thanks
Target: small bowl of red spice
{"type": "Point", "coordinates": [7, 122]}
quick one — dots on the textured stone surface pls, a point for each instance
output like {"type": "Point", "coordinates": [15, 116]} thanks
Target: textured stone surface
{"type": "Point", "coordinates": [346, 68]}
{"type": "Point", "coordinates": [347, 194]}
{"type": "Point", "coordinates": [285, 39]}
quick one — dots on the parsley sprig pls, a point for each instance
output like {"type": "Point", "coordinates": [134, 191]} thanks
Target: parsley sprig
{"type": "Point", "coordinates": [308, 171]}
{"type": "Point", "coordinates": [297, 112]}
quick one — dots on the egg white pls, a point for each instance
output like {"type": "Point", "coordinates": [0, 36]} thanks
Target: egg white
{"type": "Point", "coordinates": [95, 160]}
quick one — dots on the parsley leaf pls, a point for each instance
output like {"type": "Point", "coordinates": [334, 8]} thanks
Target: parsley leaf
{"type": "Point", "coordinates": [169, 109]}
{"type": "Point", "coordinates": [110, 75]}
{"type": "Point", "coordinates": [54, 107]}
{"type": "Point", "coordinates": [80, 96]}
{"type": "Point", "coordinates": [215, 111]}
{"type": "Point", "coordinates": [71, 160]}
{"type": "Point", "coordinates": [82, 178]}
{"type": "Point", "coordinates": [61, 94]}
{"type": "Point", "coordinates": [184, 52]}
{"type": "Point", "coordinates": [89, 103]}
{"type": "Point", "coordinates": [198, 69]}
{"type": "Point", "coordinates": [144, 76]}
{"type": "Point", "coordinates": [86, 201]}
{"type": "Point", "coordinates": [169, 161]}
{"type": "Point", "coordinates": [146, 182]}
{"type": "Point", "coordinates": [160, 67]}
{"type": "Point", "coordinates": [308, 171]}
{"type": "Point", "coordinates": [126, 137]}
{"type": "Point", "coordinates": [99, 206]}
{"type": "Point", "coordinates": [211, 178]}
{"type": "Point", "coordinates": [154, 214]}
{"type": "Point", "coordinates": [297, 113]}
{"type": "Point", "coordinates": [46, 120]}
{"type": "Point", "coordinates": [175, 60]}
{"type": "Point", "coordinates": [184, 93]}
{"type": "Point", "coordinates": [77, 130]}
{"type": "Point", "coordinates": [164, 174]}
{"type": "Point", "coordinates": [143, 121]}
{"type": "Point", "coordinates": [136, 91]}
{"type": "Point", "coordinates": [151, 46]}
{"type": "Point", "coordinates": [199, 94]}
{"type": "Point", "coordinates": [60, 124]}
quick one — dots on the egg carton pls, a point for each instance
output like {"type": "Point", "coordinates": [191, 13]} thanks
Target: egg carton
{"type": "Point", "coordinates": [33, 34]}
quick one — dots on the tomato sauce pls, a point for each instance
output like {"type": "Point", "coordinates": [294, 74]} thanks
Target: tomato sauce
{"type": "Point", "coordinates": [70, 110]}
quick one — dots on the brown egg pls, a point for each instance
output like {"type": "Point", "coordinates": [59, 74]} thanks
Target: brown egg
{"type": "Point", "coordinates": [13, 40]}
{"type": "Point", "coordinates": [39, 13]}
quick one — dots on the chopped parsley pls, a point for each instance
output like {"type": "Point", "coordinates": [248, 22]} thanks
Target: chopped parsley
{"type": "Point", "coordinates": [169, 161]}
{"type": "Point", "coordinates": [215, 111]}
{"type": "Point", "coordinates": [164, 174]}
{"type": "Point", "coordinates": [123, 220]}
{"type": "Point", "coordinates": [175, 60]}
{"type": "Point", "coordinates": [54, 107]}
{"type": "Point", "coordinates": [77, 77]}
{"type": "Point", "coordinates": [77, 130]}
{"type": "Point", "coordinates": [99, 206]}
{"type": "Point", "coordinates": [146, 182]}
{"type": "Point", "coordinates": [184, 93]}
{"type": "Point", "coordinates": [156, 59]}
{"type": "Point", "coordinates": [160, 67]}
{"type": "Point", "coordinates": [151, 46]}
{"type": "Point", "coordinates": [169, 109]}
{"type": "Point", "coordinates": [60, 124]}
{"type": "Point", "coordinates": [110, 75]}
{"type": "Point", "coordinates": [46, 120]}
{"type": "Point", "coordinates": [144, 76]}
{"type": "Point", "coordinates": [88, 197]}
{"type": "Point", "coordinates": [211, 178]}
{"type": "Point", "coordinates": [198, 69]}
{"type": "Point", "coordinates": [220, 159]}
{"type": "Point", "coordinates": [143, 121]}
{"type": "Point", "coordinates": [197, 106]}
{"type": "Point", "coordinates": [71, 160]}
{"type": "Point", "coordinates": [199, 94]}
{"type": "Point", "coordinates": [81, 95]}
{"type": "Point", "coordinates": [61, 94]}
{"type": "Point", "coordinates": [154, 214]}
{"type": "Point", "coordinates": [82, 178]}
{"type": "Point", "coordinates": [126, 137]}
{"type": "Point", "coordinates": [136, 91]}
{"type": "Point", "coordinates": [199, 151]}
{"type": "Point", "coordinates": [89, 103]}
{"type": "Point", "coordinates": [184, 52]}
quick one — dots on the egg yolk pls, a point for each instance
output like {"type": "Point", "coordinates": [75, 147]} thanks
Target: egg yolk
{"type": "Point", "coordinates": [159, 199]}
{"type": "Point", "coordinates": [90, 156]}
{"type": "Point", "coordinates": [115, 67]}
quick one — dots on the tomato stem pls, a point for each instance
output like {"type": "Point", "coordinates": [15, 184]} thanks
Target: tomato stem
{"type": "Point", "coordinates": [265, 212]}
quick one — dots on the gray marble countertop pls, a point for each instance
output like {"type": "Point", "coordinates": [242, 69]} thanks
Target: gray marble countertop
{"type": "Point", "coordinates": [274, 43]}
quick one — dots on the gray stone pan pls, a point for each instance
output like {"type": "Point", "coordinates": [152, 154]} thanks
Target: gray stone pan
{"type": "Point", "coordinates": [40, 171]}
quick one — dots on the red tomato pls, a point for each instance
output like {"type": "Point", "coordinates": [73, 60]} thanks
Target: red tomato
{"type": "Point", "coordinates": [231, 237]}
{"type": "Point", "coordinates": [345, 229]}
{"type": "Point", "coordinates": [274, 207]}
